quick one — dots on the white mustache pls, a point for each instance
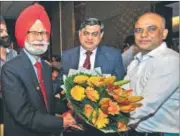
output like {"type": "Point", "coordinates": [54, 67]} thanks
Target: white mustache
{"type": "Point", "coordinates": [40, 42]}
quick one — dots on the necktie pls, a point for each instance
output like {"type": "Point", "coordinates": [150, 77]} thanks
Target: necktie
{"type": "Point", "coordinates": [87, 63]}
{"type": "Point", "coordinates": [41, 82]}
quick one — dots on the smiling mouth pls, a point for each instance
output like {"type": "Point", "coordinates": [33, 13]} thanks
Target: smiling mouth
{"type": "Point", "coordinates": [38, 44]}
{"type": "Point", "coordinates": [89, 42]}
{"type": "Point", "coordinates": [145, 41]}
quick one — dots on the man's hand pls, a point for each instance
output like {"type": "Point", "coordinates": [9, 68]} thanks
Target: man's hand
{"type": "Point", "coordinates": [69, 121]}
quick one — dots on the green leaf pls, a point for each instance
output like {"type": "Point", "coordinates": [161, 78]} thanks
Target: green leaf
{"type": "Point", "coordinates": [121, 82]}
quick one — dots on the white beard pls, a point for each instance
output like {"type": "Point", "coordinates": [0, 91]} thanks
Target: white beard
{"type": "Point", "coordinates": [36, 48]}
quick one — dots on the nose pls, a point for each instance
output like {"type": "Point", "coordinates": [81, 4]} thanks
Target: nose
{"type": "Point", "coordinates": [144, 33]}
{"type": "Point", "coordinates": [4, 33]}
{"type": "Point", "coordinates": [39, 37]}
{"type": "Point", "coordinates": [89, 37]}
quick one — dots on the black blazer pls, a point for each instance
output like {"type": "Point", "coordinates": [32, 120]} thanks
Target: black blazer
{"type": "Point", "coordinates": [25, 113]}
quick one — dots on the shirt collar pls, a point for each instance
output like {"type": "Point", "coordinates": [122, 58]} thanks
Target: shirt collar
{"type": "Point", "coordinates": [154, 53]}
{"type": "Point", "coordinates": [7, 50]}
{"type": "Point", "coordinates": [31, 57]}
{"type": "Point", "coordinates": [83, 51]}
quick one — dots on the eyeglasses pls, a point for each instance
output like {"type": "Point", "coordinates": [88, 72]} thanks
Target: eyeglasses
{"type": "Point", "coordinates": [94, 34]}
{"type": "Point", "coordinates": [150, 29]}
{"type": "Point", "coordinates": [36, 33]}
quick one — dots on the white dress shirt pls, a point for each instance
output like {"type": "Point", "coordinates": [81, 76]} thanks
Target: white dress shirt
{"type": "Point", "coordinates": [83, 57]}
{"type": "Point", "coordinates": [155, 76]}
{"type": "Point", "coordinates": [33, 61]}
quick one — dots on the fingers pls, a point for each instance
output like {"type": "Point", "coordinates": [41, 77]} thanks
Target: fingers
{"type": "Point", "coordinates": [76, 127]}
{"type": "Point", "coordinates": [68, 120]}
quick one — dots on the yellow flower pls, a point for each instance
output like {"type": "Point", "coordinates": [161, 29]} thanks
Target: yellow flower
{"type": "Point", "coordinates": [80, 79]}
{"type": "Point", "coordinates": [100, 120]}
{"type": "Point", "coordinates": [92, 94]}
{"type": "Point", "coordinates": [96, 81]}
{"type": "Point", "coordinates": [122, 126]}
{"type": "Point", "coordinates": [110, 79]}
{"type": "Point", "coordinates": [77, 93]}
{"type": "Point", "coordinates": [88, 110]}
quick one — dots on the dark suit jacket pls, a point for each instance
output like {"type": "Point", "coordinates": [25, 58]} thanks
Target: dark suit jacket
{"type": "Point", "coordinates": [25, 113]}
{"type": "Point", "coordinates": [108, 58]}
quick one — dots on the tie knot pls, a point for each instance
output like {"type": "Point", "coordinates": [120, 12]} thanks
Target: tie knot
{"type": "Point", "coordinates": [88, 53]}
{"type": "Point", "coordinates": [37, 64]}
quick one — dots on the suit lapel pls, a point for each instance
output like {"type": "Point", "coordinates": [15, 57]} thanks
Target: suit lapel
{"type": "Point", "coordinates": [75, 58]}
{"type": "Point", "coordinates": [32, 76]}
{"type": "Point", "coordinates": [99, 58]}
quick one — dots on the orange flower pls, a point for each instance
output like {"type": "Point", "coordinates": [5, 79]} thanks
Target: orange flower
{"type": "Point", "coordinates": [88, 110]}
{"type": "Point", "coordinates": [129, 108]}
{"type": "Point", "coordinates": [104, 103]}
{"type": "Point", "coordinates": [92, 94]}
{"type": "Point", "coordinates": [109, 107]}
{"type": "Point", "coordinates": [122, 126]}
{"type": "Point", "coordinates": [113, 108]}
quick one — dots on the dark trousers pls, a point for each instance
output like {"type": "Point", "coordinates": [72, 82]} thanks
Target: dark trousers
{"type": "Point", "coordinates": [135, 133]}
{"type": "Point", "coordinates": [90, 131]}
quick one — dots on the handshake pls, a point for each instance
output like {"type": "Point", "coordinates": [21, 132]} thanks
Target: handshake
{"type": "Point", "coordinates": [69, 121]}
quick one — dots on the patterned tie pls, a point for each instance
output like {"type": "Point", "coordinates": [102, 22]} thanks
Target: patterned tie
{"type": "Point", "coordinates": [87, 63]}
{"type": "Point", "coordinates": [41, 82]}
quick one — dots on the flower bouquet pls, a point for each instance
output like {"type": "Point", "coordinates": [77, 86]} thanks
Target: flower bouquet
{"type": "Point", "coordinates": [100, 100]}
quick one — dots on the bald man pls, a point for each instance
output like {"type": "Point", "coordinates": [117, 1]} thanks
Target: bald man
{"type": "Point", "coordinates": [28, 96]}
{"type": "Point", "coordinates": [154, 75]}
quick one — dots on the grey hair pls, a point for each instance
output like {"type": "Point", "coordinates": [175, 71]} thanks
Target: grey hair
{"type": "Point", "coordinates": [92, 22]}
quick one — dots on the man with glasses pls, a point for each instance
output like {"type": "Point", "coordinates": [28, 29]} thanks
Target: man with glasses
{"type": "Point", "coordinates": [154, 74]}
{"type": "Point", "coordinates": [28, 96]}
{"type": "Point", "coordinates": [90, 54]}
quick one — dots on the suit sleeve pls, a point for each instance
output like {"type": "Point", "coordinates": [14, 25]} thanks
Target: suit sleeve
{"type": "Point", "coordinates": [18, 106]}
{"type": "Point", "coordinates": [119, 67]}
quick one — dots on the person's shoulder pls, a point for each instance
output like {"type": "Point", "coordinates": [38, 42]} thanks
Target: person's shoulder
{"type": "Point", "coordinates": [14, 52]}
{"type": "Point", "coordinates": [168, 60]}
{"type": "Point", "coordinates": [70, 51]}
{"type": "Point", "coordinates": [110, 49]}
{"type": "Point", "coordinates": [13, 63]}
{"type": "Point", "coordinates": [169, 54]}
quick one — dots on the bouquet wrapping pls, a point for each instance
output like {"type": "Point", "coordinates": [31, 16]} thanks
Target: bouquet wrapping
{"type": "Point", "coordinates": [100, 100]}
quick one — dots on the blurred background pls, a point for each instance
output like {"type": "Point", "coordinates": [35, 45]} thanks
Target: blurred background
{"type": "Point", "coordinates": [118, 18]}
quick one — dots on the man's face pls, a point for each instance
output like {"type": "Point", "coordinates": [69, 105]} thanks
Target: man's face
{"type": "Point", "coordinates": [90, 37]}
{"type": "Point", "coordinates": [3, 30]}
{"type": "Point", "coordinates": [149, 32]}
{"type": "Point", "coordinates": [4, 37]}
{"type": "Point", "coordinates": [37, 38]}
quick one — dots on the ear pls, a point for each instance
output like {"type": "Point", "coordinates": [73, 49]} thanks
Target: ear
{"type": "Point", "coordinates": [165, 33]}
{"type": "Point", "coordinates": [102, 34]}
{"type": "Point", "coordinates": [79, 33]}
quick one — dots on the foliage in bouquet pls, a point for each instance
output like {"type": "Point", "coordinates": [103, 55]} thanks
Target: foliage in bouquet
{"type": "Point", "coordinates": [101, 101]}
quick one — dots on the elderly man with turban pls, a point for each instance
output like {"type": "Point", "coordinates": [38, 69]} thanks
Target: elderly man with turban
{"type": "Point", "coordinates": [28, 96]}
